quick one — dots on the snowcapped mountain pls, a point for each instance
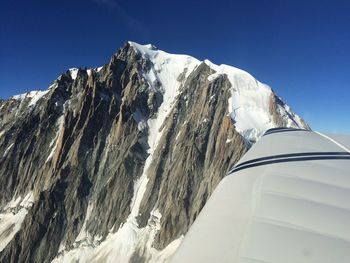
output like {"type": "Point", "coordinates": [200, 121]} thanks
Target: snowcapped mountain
{"type": "Point", "coordinates": [250, 102]}
{"type": "Point", "coordinates": [113, 164]}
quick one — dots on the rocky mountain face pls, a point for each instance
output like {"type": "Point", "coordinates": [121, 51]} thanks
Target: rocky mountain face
{"type": "Point", "coordinates": [114, 164]}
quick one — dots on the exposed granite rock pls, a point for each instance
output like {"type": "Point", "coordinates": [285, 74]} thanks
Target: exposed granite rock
{"type": "Point", "coordinates": [275, 106]}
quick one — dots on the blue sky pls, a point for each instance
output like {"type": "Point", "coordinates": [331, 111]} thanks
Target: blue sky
{"type": "Point", "coordinates": [300, 48]}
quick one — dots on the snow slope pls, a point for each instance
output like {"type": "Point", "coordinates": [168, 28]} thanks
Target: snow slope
{"type": "Point", "coordinates": [250, 100]}
{"type": "Point", "coordinates": [12, 216]}
{"type": "Point", "coordinates": [34, 96]}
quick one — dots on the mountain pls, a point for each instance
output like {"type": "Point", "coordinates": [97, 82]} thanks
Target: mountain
{"type": "Point", "coordinates": [113, 164]}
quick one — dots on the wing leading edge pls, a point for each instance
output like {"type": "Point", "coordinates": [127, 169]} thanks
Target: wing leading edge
{"type": "Point", "coordinates": [287, 200]}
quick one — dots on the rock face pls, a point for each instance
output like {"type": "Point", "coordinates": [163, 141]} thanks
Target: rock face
{"type": "Point", "coordinates": [114, 164]}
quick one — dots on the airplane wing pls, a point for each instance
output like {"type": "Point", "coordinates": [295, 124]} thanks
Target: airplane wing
{"type": "Point", "coordinates": [286, 201]}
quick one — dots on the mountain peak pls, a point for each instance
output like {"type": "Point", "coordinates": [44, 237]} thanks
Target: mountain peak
{"type": "Point", "coordinates": [249, 105]}
{"type": "Point", "coordinates": [101, 158]}
{"type": "Point", "coordinates": [140, 46]}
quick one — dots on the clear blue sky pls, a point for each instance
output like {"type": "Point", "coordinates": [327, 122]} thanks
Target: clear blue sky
{"type": "Point", "coordinates": [301, 48]}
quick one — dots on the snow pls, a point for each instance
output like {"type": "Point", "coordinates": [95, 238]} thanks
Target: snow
{"type": "Point", "coordinates": [77, 255]}
{"type": "Point", "coordinates": [83, 232]}
{"type": "Point", "coordinates": [127, 239]}
{"type": "Point", "coordinates": [34, 96]}
{"type": "Point", "coordinates": [52, 86]}
{"type": "Point", "coordinates": [54, 143]}
{"type": "Point", "coordinates": [73, 73]}
{"type": "Point", "coordinates": [167, 69]}
{"type": "Point", "coordinates": [8, 149]}
{"type": "Point", "coordinates": [177, 135]}
{"type": "Point", "coordinates": [250, 102]}
{"type": "Point", "coordinates": [37, 95]}
{"type": "Point", "coordinates": [119, 245]}
{"type": "Point", "coordinates": [2, 133]}
{"type": "Point", "coordinates": [28, 200]}
{"type": "Point", "coordinates": [10, 224]}
{"type": "Point", "coordinates": [14, 203]}
{"type": "Point", "coordinates": [19, 97]}
{"type": "Point", "coordinates": [12, 217]}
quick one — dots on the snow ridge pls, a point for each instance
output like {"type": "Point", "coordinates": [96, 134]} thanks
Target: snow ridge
{"type": "Point", "coordinates": [34, 96]}
{"type": "Point", "coordinates": [250, 101]}
{"type": "Point", "coordinates": [249, 105]}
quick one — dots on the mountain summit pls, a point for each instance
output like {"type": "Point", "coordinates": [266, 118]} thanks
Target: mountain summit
{"type": "Point", "coordinates": [113, 164]}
